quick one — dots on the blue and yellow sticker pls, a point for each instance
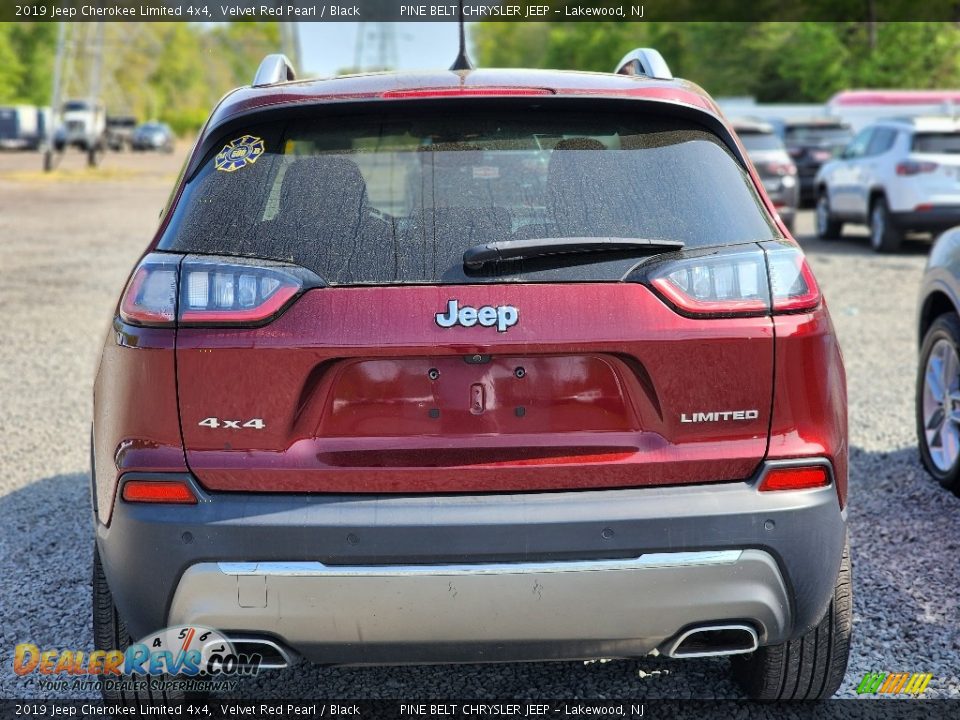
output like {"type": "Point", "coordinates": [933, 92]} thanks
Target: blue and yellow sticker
{"type": "Point", "coordinates": [239, 153]}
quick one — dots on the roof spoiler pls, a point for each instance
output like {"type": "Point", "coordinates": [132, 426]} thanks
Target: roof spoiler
{"type": "Point", "coordinates": [644, 61]}
{"type": "Point", "coordinates": [274, 69]}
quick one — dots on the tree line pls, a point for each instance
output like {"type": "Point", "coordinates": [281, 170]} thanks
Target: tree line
{"type": "Point", "coordinates": [772, 61]}
{"type": "Point", "coordinates": [173, 72]}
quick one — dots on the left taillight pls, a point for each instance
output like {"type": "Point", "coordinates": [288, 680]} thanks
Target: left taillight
{"type": "Point", "coordinates": [150, 297]}
{"type": "Point", "coordinates": [199, 290]}
{"type": "Point", "coordinates": [213, 292]}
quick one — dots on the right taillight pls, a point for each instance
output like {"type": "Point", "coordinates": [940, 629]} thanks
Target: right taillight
{"type": "Point", "coordinates": [792, 285]}
{"type": "Point", "coordinates": [718, 284]}
{"type": "Point", "coordinates": [197, 290]}
{"type": "Point", "coordinates": [745, 280]}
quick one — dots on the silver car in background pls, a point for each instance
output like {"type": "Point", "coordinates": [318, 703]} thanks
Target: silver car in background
{"type": "Point", "coordinates": [774, 166]}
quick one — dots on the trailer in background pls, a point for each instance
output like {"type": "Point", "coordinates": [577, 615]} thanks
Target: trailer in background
{"type": "Point", "coordinates": [22, 127]}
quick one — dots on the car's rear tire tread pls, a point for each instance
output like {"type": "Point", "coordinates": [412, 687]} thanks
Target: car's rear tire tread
{"type": "Point", "coordinates": [110, 632]}
{"type": "Point", "coordinates": [811, 667]}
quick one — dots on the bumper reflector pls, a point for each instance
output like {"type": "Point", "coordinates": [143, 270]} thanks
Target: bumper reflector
{"type": "Point", "coordinates": [795, 478]}
{"type": "Point", "coordinates": [158, 491]}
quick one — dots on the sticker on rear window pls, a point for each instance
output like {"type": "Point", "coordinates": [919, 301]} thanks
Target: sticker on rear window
{"type": "Point", "coordinates": [485, 172]}
{"type": "Point", "coordinates": [239, 153]}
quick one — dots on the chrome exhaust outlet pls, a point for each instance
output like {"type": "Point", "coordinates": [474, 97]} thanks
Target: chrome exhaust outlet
{"type": "Point", "coordinates": [273, 655]}
{"type": "Point", "coordinates": [711, 640]}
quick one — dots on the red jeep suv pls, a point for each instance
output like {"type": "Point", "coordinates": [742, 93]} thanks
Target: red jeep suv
{"type": "Point", "coordinates": [476, 366]}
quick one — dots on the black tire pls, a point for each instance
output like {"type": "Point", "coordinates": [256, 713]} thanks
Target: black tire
{"type": "Point", "coordinates": [885, 236]}
{"type": "Point", "coordinates": [811, 667]}
{"type": "Point", "coordinates": [110, 633]}
{"type": "Point", "coordinates": [827, 227]}
{"type": "Point", "coordinates": [946, 327]}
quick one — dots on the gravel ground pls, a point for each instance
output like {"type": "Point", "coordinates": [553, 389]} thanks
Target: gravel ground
{"type": "Point", "coordinates": [67, 244]}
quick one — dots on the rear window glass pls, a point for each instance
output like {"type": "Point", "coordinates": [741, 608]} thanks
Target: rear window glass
{"type": "Point", "coordinates": [398, 199]}
{"type": "Point", "coordinates": [754, 141]}
{"type": "Point", "coordinates": [818, 135]}
{"type": "Point", "coordinates": [936, 143]}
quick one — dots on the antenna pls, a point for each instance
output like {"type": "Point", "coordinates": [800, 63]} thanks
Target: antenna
{"type": "Point", "coordinates": [462, 62]}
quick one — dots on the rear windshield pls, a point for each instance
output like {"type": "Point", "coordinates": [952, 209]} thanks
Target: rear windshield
{"type": "Point", "coordinates": [818, 135]}
{"type": "Point", "coordinates": [398, 199]}
{"type": "Point", "coordinates": [936, 143]}
{"type": "Point", "coordinates": [754, 141]}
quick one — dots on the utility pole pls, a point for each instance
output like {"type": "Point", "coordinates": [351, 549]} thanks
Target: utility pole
{"type": "Point", "coordinates": [56, 98]}
{"type": "Point", "coordinates": [75, 47]}
{"type": "Point", "coordinates": [384, 36]}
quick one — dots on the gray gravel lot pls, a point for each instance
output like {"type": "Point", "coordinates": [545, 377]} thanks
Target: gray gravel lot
{"type": "Point", "coordinates": [65, 248]}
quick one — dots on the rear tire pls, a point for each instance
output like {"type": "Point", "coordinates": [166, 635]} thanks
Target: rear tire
{"type": "Point", "coordinates": [811, 667]}
{"type": "Point", "coordinates": [110, 633]}
{"type": "Point", "coordinates": [885, 236]}
{"type": "Point", "coordinates": [942, 337]}
{"type": "Point", "coordinates": [827, 227]}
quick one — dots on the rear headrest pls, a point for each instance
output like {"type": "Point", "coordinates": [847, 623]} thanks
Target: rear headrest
{"type": "Point", "coordinates": [579, 143]}
{"type": "Point", "coordinates": [323, 185]}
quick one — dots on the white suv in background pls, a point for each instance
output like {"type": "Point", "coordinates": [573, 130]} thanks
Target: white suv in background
{"type": "Point", "coordinates": [896, 175]}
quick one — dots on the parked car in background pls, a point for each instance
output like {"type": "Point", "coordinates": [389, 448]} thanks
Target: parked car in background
{"type": "Point", "coordinates": [153, 136]}
{"type": "Point", "coordinates": [896, 176]}
{"type": "Point", "coordinates": [938, 379]}
{"type": "Point", "coordinates": [774, 166]}
{"type": "Point", "coordinates": [426, 384]}
{"type": "Point", "coordinates": [120, 132]}
{"type": "Point", "coordinates": [810, 143]}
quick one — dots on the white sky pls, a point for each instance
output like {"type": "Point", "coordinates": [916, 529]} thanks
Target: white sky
{"type": "Point", "coordinates": [330, 46]}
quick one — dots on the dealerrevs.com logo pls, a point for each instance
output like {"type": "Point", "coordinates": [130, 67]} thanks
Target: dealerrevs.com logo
{"type": "Point", "coordinates": [184, 656]}
{"type": "Point", "coordinates": [881, 683]}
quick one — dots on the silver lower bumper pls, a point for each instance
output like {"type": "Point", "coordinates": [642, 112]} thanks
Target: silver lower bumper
{"type": "Point", "coordinates": [485, 612]}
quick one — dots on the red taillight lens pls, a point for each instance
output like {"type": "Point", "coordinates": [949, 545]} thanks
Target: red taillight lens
{"type": "Point", "coordinates": [912, 167]}
{"type": "Point", "coordinates": [795, 478]}
{"type": "Point", "coordinates": [722, 284]}
{"type": "Point", "coordinates": [159, 491]}
{"type": "Point", "coordinates": [214, 292]}
{"type": "Point", "coordinates": [792, 285]}
{"type": "Point", "coordinates": [779, 168]}
{"type": "Point", "coordinates": [728, 283]}
{"type": "Point", "coordinates": [150, 297]}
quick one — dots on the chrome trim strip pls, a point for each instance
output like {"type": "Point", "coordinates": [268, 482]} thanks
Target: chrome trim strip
{"type": "Point", "coordinates": [317, 569]}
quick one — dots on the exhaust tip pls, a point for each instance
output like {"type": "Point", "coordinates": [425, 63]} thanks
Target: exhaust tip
{"type": "Point", "coordinates": [273, 655]}
{"type": "Point", "coordinates": [712, 640]}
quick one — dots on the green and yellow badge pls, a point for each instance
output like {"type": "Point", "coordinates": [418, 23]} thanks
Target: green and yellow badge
{"type": "Point", "coordinates": [239, 153]}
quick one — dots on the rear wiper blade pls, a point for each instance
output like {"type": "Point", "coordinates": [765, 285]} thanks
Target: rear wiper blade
{"type": "Point", "coordinates": [477, 256]}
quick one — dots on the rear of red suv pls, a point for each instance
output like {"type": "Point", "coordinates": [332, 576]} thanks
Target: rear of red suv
{"type": "Point", "coordinates": [470, 367]}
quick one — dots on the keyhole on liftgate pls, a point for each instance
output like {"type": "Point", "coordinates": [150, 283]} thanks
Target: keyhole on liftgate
{"type": "Point", "coordinates": [476, 398]}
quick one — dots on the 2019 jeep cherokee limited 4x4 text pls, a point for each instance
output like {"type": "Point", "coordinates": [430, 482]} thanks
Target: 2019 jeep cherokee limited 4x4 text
{"type": "Point", "coordinates": [476, 366]}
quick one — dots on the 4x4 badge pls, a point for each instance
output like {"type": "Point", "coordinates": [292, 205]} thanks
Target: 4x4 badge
{"type": "Point", "coordinates": [239, 153]}
{"type": "Point", "coordinates": [503, 316]}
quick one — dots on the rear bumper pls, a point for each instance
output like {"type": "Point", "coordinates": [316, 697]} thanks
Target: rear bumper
{"type": "Point", "coordinates": [459, 578]}
{"type": "Point", "coordinates": [935, 219]}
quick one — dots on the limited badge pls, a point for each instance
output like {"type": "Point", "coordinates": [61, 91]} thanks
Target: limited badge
{"type": "Point", "coordinates": [239, 153]}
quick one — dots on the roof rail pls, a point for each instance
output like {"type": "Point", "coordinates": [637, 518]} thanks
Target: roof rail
{"type": "Point", "coordinates": [644, 61]}
{"type": "Point", "coordinates": [274, 69]}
